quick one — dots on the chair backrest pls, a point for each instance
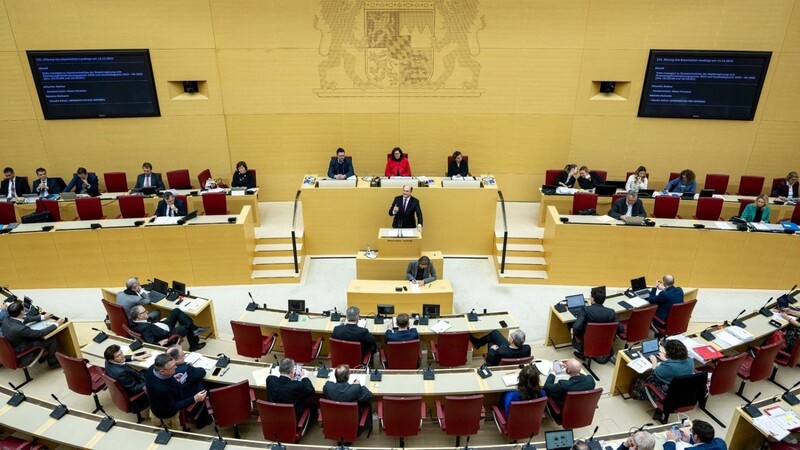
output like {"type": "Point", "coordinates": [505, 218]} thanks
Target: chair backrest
{"type": "Point", "coordinates": [215, 204]}
{"type": "Point", "coordinates": [60, 183]}
{"type": "Point", "coordinates": [776, 182]}
{"type": "Point", "coordinates": [583, 200]}
{"type": "Point", "coordinates": [453, 348]}
{"type": "Point", "coordinates": [7, 213]}
{"type": "Point", "coordinates": [8, 357]}
{"type": "Point", "coordinates": [551, 175]}
{"type": "Point", "coordinates": [666, 207]}
{"type": "Point", "coordinates": [50, 206]}
{"type": "Point", "coordinates": [761, 368]}
{"type": "Point", "coordinates": [203, 176]}
{"type": "Point", "coordinates": [402, 416]}
{"type": "Point", "coordinates": [673, 175]}
{"type": "Point", "coordinates": [463, 414]}
{"type": "Point", "coordinates": [579, 407]}
{"type": "Point", "coordinates": [132, 334]}
{"type": "Point", "coordinates": [515, 361]}
{"type": "Point", "coordinates": [743, 202]}
{"type": "Point", "coordinates": [402, 355]}
{"type": "Point", "coordinates": [79, 380]}
{"type": "Point", "coordinates": [525, 418]}
{"type": "Point", "coordinates": [795, 214]}
{"type": "Point", "coordinates": [794, 355]}
{"type": "Point", "coordinates": [598, 339]}
{"type": "Point", "coordinates": [345, 352]}
{"type": "Point", "coordinates": [296, 344]}
{"type": "Point", "coordinates": [179, 179]}
{"type": "Point", "coordinates": [119, 396]}
{"type": "Point", "coordinates": [717, 181]}
{"type": "Point", "coordinates": [616, 197]}
{"type": "Point", "coordinates": [708, 208]}
{"type": "Point", "coordinates": [685, 391]}
{"type": "Point", "coordinates": [131, 206]}
{"type": "Point", "coordinates": [253, 173]}
{"type": "Point", "coordinates": [679, 316]}
{"type": "Point", "coordinates": [339, 420]}
{"type": "Point", "coordinates": [89, 208]}
{"type": "Point", "coordinates": [723, 377]}
{"type": "Point", "coordinates": [278, 421]}
{"type": "Point", "coordinates": [116, 317]}
{"type": "Point", "coordinates": [231, 404]}
{"type": "Point", "coordinates": [638, 328]}
{"type": "Point", "coordinates": [248, 339]}
{"type": "Point", "coordinates": [750, 185]}
{"type": "Point", "coordinates": [116, 181]}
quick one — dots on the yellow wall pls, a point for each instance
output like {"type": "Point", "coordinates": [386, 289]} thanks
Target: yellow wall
{"type": "Point", "coordinates": [539, 59]}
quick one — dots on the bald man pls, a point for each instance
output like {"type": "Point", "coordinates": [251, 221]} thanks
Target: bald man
{"type": "Point", "coordinates": [576, 382]}
{"type": "Point", "coordinates": [665, 294]}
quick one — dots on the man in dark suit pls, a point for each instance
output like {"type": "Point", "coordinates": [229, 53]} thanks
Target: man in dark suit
{"type": "Point", "coordinates": [192, 383]}
{"type": "Point", "coordinates": [403, 333]}
{"type": "Point", "coordinates": [291, 387]}
{"type": "Point", "coordinates": [628, 206]}
{"type": "Point", "coordinates": [594, 313]}
{"type": "Point", "coordinates": [149, 179]}
{"type": "Point", "coordinates": [44, 186]}
{"type": "Point", "coordinates": [404, 208]}
{"type": "Point", "coordinates": [343, 391]}
{"type": "Point", "coordinates": [167, 397]}
{"type": "Point", "coordinates": [13, 186]}
{"type": "Point", "coordinates": [341, 168]}
{"type": "Point", "coordinates": [665, 294]}
{"type": "Point", "coordinates": [23, 337]}
{"type": "Point", "coordinates": [421, 271]}
{"type": "Point", "coordinates": [350, 331]}
{"type": "Point", "coordinates": [84, 183]}
{"type": "Point", "coordinates": [576, 382]}
{"type": "Point", "coordinates": [158, 333]}
{"type": "Point", "coordinates": [501, 347]}
{"type": "Point", "coordinates": [170, 206]}
{"type": "Point", "coordinates": [130, 379]}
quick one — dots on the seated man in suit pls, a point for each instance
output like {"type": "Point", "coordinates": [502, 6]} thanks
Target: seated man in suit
{"type": "Point", "coordinates": [640, 440]}
{"type": "Point", "coordinates": [665, 294]}
{"type": "Point", "coordinates": [13, 186]}
{"type": "Point", "coordinates": [167, 397]}
{"type": "Point", "coordinates": [594, 313]}
{"type": "Point", "coordinates": [788, 188]}
{"type": "Point", "coordinates": [130, 379]}
{"type": "Point", "coordinates": [192, 383]}
{"type": "Point", "coordinates": [22, 337]}
{"type": "Point", "coordinates": [343, 391]}
{"type": "Point", "coordinates": [576, 382]}
{"type": "Point", "coordinates": [170, 206]}
{"type": "Point", "coordinates": [403, 333]}
{"type": "Point", "coordinates": [291, 387]}
{"type": "Point", "coordinates": [149, 179]}
{"type": "Point", "coordinates": [44, 186]}
{"type": "Point", "coordinates": [350, 331]}
{"type": "Point", "coordinates": [404, 208]}
{"type": "Point", "coordinates": [158, 333]}
{"type": "Point", "coordinates": [341, 168]}
{"type": "Point", "coordinates": [84, 183]}
{"type": "Point", "coordinates": [134, 295]}
{"type": "Point", "coordinates": [700, 437]}
{"type": "Point", "coordinates": [421, 271]}
{"type": "Point", "coordinates": [513, 347]}
{"type": "Point", "coordinates": [628, 206]}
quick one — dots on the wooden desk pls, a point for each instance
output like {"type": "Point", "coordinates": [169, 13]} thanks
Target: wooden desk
{"type": "Point", "coordinates": [387, 267]}
{"type": "Point", "coordinates": [66, 339]}
{"type": "Point", "coordinates": [742, 433]}
{"type": "Point", "coordinates": [368, 294]}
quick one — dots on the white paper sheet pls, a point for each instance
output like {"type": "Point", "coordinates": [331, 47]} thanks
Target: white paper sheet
{"type": "Point", "coordinates": [440, 326]}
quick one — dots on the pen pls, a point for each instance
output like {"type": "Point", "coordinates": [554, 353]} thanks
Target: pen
{"type": "Point", "coordinates": [225, 371]}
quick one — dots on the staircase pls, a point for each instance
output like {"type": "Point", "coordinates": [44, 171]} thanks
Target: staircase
{"type": "Point", "coordinates": [525, 263]}
{"type": "Point", "coordinates": [273, 261]}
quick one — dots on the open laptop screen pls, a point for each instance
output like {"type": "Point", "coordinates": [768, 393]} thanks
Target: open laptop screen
{"type": "Point", "coordinates": [160, 286]}
{"type": "Point", "coordinates": [558, 440]}
{"type": "Point", "coordinates": [575, 301]}
{"type": "Point", "coordinates": [638, 283]}
{"type": "Point", "coordinates": [650, 346]}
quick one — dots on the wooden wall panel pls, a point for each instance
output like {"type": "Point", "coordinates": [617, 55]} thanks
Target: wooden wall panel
{"type": "Point", "coordinates": [529, 24]}
{"type": "Point", "coordinates": [267, 24]}
{"type": "Point", "coordinates": [22, 147]}
{"type": "Point", "coordinates": [187, 65]}
{"type": "Point", "coordinates": [17, 102]}
{"type": "Point", "coordinates": [6, 34]}
{"type": "Point", "coordinates": [783, 99]}
{"type": "Point", "coordinates": [792, 41]}
{"type": "Point", "coordinates": [611, 65]}
{"type": "Point", "coordinates": [775, 150]}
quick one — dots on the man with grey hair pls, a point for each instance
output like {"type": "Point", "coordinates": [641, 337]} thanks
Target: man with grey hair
{"type": "Point", "coordinates": [291, 387]}
{"type": "Point", "coordinates": [134, 294]}
{"type": "Point", "coordinates": [641, 440]}
{"type": "Point", "coordinates": [192, 382]}
{"type": "Point", "coordinates": [343, 391]}
{"type": "Point", "coordinates": [167, 397]}
{"type": "Point", "coordinates": [628, 206]}
{"type": "Point", "coordinates": [501, 347]}
{"type": "Point", "coordinates": [159, 333]}
{"type": "Point", "coordinates": [171, 206]}
{"type": "Point", "coordinates": [350, 331]}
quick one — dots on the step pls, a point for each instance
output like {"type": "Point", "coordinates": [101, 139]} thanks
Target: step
{"type": "Point", "coordinates": [274, 276]}
{"type": "Point", "coordinates": [283, 236]}
{"type": "Point", "coordinates": [523, 276]}
{"type": "Point", "coordinates": [519, 249]}
{"type": "Point", "coordinates": [522, 263]}
{"type": "Point", "coordinates": [275, 263]}
{"type": "Point", "coordinates": [273, 249]}
{"type": "Point", "coordinates": [498, 238]}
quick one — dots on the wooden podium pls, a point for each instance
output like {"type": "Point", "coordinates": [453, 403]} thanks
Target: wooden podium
{"type": "Point", "coordinates": [399, 242]}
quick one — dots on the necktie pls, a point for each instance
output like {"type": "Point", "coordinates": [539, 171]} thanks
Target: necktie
{"type": "Point", "coordinates": [12, 189]}
{"type": "Point", "coordinates": [147, 181]}
{"type": "Point", "coordinates": [405, 204]}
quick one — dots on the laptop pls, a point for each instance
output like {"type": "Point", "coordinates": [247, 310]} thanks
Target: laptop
{"type": "Point", "coordinates": [160, 286]}
{"type": "Point", "coordinates": [68, 196]}
{"type": "Point", "coordinates": [575, 303]}
{"type": "Point", "coordinates": [30, 198]}
{"type": "Point", "coordinates": [617, 184]}
{"type": "Point", "coordinates": [639, 288]}
{"type": "Point", "coordinates": [646, 192]}
{"type": "Point", "coordinates": [650, 347]}
{"type": "Point", "coordinates": [605, 189]}
{"type": "Point", "coordinates": [634, 220]}
{"type": "Point", "coordinates": [559, 440]}
{"type": "Point", "coordinates": [687, 196]}
{"type": "Point", "coordinates": [549, 189]}
{"type": "Point", "coordinates": [706, 193]}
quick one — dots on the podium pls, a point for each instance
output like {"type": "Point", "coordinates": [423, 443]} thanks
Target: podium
{"type": "Point", "coordinates": [399, 242]}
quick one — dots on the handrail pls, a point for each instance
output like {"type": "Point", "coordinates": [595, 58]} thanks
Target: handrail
{"type": "Point", "coordinates": [294, 235]}
{"type": "Point", "coordinates": [505, 232]}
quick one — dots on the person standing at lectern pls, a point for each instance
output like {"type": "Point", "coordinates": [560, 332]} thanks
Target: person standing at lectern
{"type": "Point", "coordinates": [404, 209]}
{"type": "Point", "coordinates": [421, 271]}
{"type": "Point", "coordinates": [341, 167]}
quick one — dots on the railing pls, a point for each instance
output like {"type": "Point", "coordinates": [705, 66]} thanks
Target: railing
{"type": "Point", "coordinates": [505, 232]}
{"type": "Point", "coordinates": [294, 235]}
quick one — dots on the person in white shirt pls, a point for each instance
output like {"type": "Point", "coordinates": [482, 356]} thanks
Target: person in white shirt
{"type": "Point", "coordinates": [637, 180]}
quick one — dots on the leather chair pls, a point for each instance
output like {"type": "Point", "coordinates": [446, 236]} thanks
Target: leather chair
{"type": "Point", "coordinates": [202, 177]}
{"type": "Point", "coordinates": [795, 215]}
{"type": "Point", "coordinates": [515, 361]}
{"type": "Point", "coordinates": [598, 341]}
{"type": "Point", "coordinates": [179, 179]}
{"type": "Point", "coordinates": [7, 213]}
{"type": "Point", "coordinates": [279, 422]}
{"type": "Point", "coordinates": [300, 345]}
{"type": "Point", "coordinates": [718, 182]}
{"type": "Point", "coordinates": [116, 181]}
{"type": "Point", "coordinates": [578, 409]}
{"type": "Point", "coordinates": [583, 200]}
{"type": "Point", "coordinates": [683, 393]}
{"type": "Point", "coordinates": [82, 377]}
{"type": "Point", "coordinates": [673, 175]}
{"type": "Point", "coordinates": [758, 366]}
{"type": "Point", "coordinates": [723, 378]}
{"type": "Point", "coordinates": [231, 405]}
{"type": "Point", "coordinates": [12, 360]}
{"type": "Point", "coordinates": [15, 443]}
{"type": "Point", "coordinates": [464, 158]}
{"type": "Point", "coordinates": [460, 415]}
{"type": "Point", "coordinates": [340, 421]}
{"type": "Point", "coordinates": [708, 208]}
{"type": "Point", "coordinates": [789, 359]}
{"type": "Point", "coordinates": [116, 317]}
{"type": "Point", "coordinates": [253, 173]}
{"type": "Point", "coordinates": [551, 176]}
{"type": "Point", "coordinates": [346, 352]}
{"type": "Point", "coordinates": [401, 355]}
{"type": "Point", "coordinates": [451, 349]}
{"type": "Point", "coordinates": [743, 202]}
{"type": "Point", "coordinates": [249, 340]}
{"type": "Point", "coordinates": [131, 207]}
{"type": "Point", "coordinates": [677, 320]}
{"type": "Point", "coordinates": [601, 174]}
{"type": "Point", "coordinates": [666, 207]}
{"type": "Point", "coordinates": [215, 204]}
{"type": "Point", "coordinates": [401, 417]}
{"type": "Point", "coordinates": [637, 327]}
{"type": "Point", "coordinates": [89, 208]}
{"type": "Point", "coordinates": [50, 206]}
{"type": "Point", "coordinates": [750, 186]}
{"type": "Point", "coordinates": [524, 419]}
{"type": "Point", "coordinates": [775, 183]}
{"type": "Point", "coordinates": [131, 404]}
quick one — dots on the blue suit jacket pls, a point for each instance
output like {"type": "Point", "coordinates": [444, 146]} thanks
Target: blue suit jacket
{"type": "Point", "coordinates": [665, 300]}
{"type": "Point", "coordinates": [161, 209]}
{"type": "Point", "coordinates": [715, 444]}
{"type": "Point", "coordinates": [401, 335]}
{"type": "Point", "coordinates": [52, 186]}
{"type": "Point", "coordinates": [345, 168]}
{"type": "Point", "coordinates": [77, 184]}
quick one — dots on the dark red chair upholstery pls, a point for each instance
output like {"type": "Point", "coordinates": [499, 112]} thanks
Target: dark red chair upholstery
{"type": "Point", "coordinates": [551, 176]}
{"type": "Point", "coordinates": [795, 215]}
{"type": "Point", "coordinates": [12, 360]}
{"type": "Point", "coordinates": [249, 340]}
{"type": "Point", "coordinates": [50, 206]}
{"type": "Point", "coordinates": [401, 417]}
{"type": "Point", "coordinates": [666, 207]}
{"type": "Point", "coordinates": [718, 182]}
{"type": "Point", "coordinates": [279, 422]}
{"type": "Point", "coordinates": [82, 377]}
{"type": "Point", "coordinates": [460, 415]}
{"type": "Point", "coordinates": [616, 197]}
{"type": "Point", "coordinates": [346, 352]}
{"type": "Point", "coordinates": [751, 186]}
{"type": "Point", "coordinates": [723, 378]}
{"type": "Point", "coordinates": [173, 339]}
{"type": "Point", "coordinates": [743, 202]}
{"type": "Point", "coordinates": [7, 213]}
{"type": "Point", "coordinates": [515, 361]}
{"type": "Point", "coordinates": [300, 345]}
{"type": "Point", "coordinates": [578, 410]}
{"type": "Point", "coordinates": [253, 173]}
{"type": "Point", "coordinates": [601, 174]}
{"type": "Point", "coordinates": [15, 443]}
{"type": "Point", "coordinates": [340, 420]}
{"type": "Point", "coordinates": [202, 177]}
{"type": "Point", "coordinates": [583, 200]}
{"type": "Point", "coordinates": [131, 207]}
{"type": "Point", "coordinates": [598, 340]}
{"type": "Point", "coordinates": [116, 181]}
{"type": "Point", "coordinates": [524, 419]}
{"type": "Point", "coordinates": [673, 175]}
{"type": "Point", "coordinates": [708, 208]}
{"type": "Point", "coordinates": [677, 320]}
{"type": "Point", "coordinates": [401, 355]}
{"type": "Point", "coordinates": [215, 204]}
{"type": "Point", "coordinates": [683, 393]}
{"type": "Point", "coordinates": [116, 317]}
{"type": "Point", "coordinates": [450, 350]}
{"type": "Point", "coordinates": [179, 179]}
{"type": "Point", "coordinates": [231, 405]}
{"type": "Point", "coordinates": [464, 158]}
{"type": "Point", "coordinates": [784, 358]}
{"type": "Point", "coordinates": [637, 326]}
{"type": "Point", "coordinates": [89, 208]}
{"type": "Point", "coordinates": [775, 183]}
{"type": "Point", "coordinates": [134, 404]}
{"type": "Point", "coordinates": [758, 366]}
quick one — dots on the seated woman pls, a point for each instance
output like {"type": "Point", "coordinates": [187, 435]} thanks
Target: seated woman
{"type": "Point", "coordinates": [637, 180]}
{"type": "Point", "coordinates": [587, 180]}
{"type": "Point", "coordinates": [567, 177]}
{"type": "Point", "coordinates": [675, 363]}
{"type": "Point", "coordinates": [529, 387]}
{"type": "Point", "coordinates": [792, 332]}
{"type": "Point", "coordinates": [788, 188]}
{"type": "Point", "coordinates": [757, 211]}
{"type": "Point", "coordinates": [242, 178]}
{"type": "Point", "coordinates": [397, 164]}
{"type": "Point", "coordinates": [684, 184]}
{"type": "Point", "coordinates": [458, 166]}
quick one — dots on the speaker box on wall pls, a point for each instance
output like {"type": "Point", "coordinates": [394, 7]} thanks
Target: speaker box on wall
{"type": "Point", "coordinates": [607, 87]}
{"type": "Point", "coordinates": [191, 87]}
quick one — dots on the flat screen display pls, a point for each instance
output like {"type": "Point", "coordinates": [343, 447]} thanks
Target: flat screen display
{"type": "Point", "coordinates": [699, 84]}
{"type": "Point", "coordinates": [85, 84]}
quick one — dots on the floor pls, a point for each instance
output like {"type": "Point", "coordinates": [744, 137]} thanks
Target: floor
{"type": "Point", "coordinates": [475, 285]}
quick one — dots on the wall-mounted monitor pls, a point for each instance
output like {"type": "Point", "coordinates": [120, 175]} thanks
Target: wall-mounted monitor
{"type": "Point", "coordinates": [85, 84]}
{"type": "Point", "coordinates": [700, 84]}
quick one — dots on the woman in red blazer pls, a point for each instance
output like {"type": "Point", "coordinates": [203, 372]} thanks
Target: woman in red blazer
{"type": "Point", "coordinates": [397, 165]}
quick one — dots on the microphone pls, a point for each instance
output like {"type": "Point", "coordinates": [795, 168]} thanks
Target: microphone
{"type": "Point", "coordinates": [106, 423]}
{"type": "Point", "coordinates": [101, 335]}
{"type": "Point", "coordinates": [648, 424]}
{"type": "Point", "coordinates": [60, 410]}
{"type": "Point", "coordinates": [428, 374]}
{"type": "Point", "coordinates": [335, 316]}
{"type": "Point", "coordinates": [751, 409]}
{"type": "Point", "coordinates": [529, 446]}
{"type": "Point", "coordinates": [707, 334]}
{"type": "Point", "coordinates": [163, 436]}
{"type": "Point", "coordinates": [252, 306]}
{"type": "Point", "coordinates": [466, 446]}
{"type": "Point", "coordinates": [789, 397]}
{"type": "Point", "coordinates": [219, 443]}
{"type": "Point", "coordinates": [323, 371]}
{"type": "Point", "coordinates": [17, 398]}
{"type": "Point", "coordinates": [472, 316]}
{"type": "Point", "coordinates": [764, 310]}
{"type": "Point", "coordinates": [375, 375]}
{"type": "Point", "coordinates": [277, 444]}
{"type": "Point", "coordinates": [594, 445]}
{"type": "Point", "coordinates": [738, 323]}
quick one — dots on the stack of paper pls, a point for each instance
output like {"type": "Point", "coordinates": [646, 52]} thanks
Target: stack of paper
{"type": "Point", "coordinates": [727, 340]}
{"type": "Point", "coordinates": [637, 302]}
{"type": "Point", "coordinates": [198, 360]}
{"type": "Point", "coordinates": [360, 378]}
{"type": "Point", "coordinates": [691, 345]}
{"type": "Point", "coordinates": [511, 380]}
{"type": "Point", "coordinates": [740, 333]}
{"type": "Point", "coordinates": [640, 364]}
{"type": "Point", "coordinates": [441, 326]}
